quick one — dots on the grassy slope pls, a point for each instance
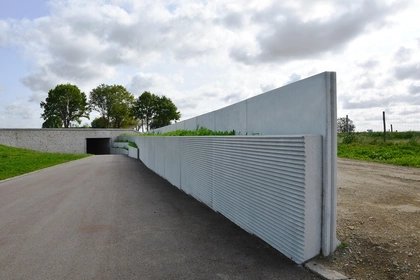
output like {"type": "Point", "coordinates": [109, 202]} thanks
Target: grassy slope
{"type": "Point", "coordinates": [400, 148]}
{"type": "Point", "coordinates": [15, 161]}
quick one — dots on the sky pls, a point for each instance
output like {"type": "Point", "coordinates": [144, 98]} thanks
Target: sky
{"type": "Point", "coordinates": [206, 55]}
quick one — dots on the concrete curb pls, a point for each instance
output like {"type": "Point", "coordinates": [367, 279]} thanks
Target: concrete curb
{"type": "Point", "coordinates": [324, 272]}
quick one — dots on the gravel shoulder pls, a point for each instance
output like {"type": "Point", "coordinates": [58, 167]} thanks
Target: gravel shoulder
{"type": "Point", "coordinates": [378, 221]}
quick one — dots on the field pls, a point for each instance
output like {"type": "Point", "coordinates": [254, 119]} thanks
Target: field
{"type": "Point", "coordinates": [400, 148]}
{"type": "Point", "coordinates": [15, 161]}
{"type": "Point", "coordinates": [378, 221]}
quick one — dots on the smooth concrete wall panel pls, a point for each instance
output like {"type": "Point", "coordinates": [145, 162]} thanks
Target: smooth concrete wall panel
{"type": "Point", "coordinates": [232, 117]}
{"type": "Point", "coordinates": [297, 108]}
{"type": "Point", "coordinates": [70, 140]}
{"type": "Point", "coordinates": [180, 126]}
{"type": "Point", "coordinates": [133, 152]}
{"type": "Point", "coordinates": [119, 151]}
{"type": "Point", "coordinates": [191, 124]}
{"type": "Point", "coordinates": [168, 128]}
{"type": "Point", "coordinates": [313, 196]}
{"type": "Point", "coordinates": [271, 186]}
{"type": "Point", "coordinates": [206, 120]}
{"type": "Point", "coordinates": [120, 145]}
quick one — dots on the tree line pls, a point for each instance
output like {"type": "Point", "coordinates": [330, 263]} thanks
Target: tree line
{"type": "Point", "coordinates": [118, 108]}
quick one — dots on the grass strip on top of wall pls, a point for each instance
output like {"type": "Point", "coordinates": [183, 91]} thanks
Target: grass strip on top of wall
{"type": "Point", "coordinates": [131, 144]}
{"type": "Point", "coordinates": [16, 161]}
{"type": "Point", "coordinates": [201, 131]}
{"type": "Point", "coordinates": [400, 148]}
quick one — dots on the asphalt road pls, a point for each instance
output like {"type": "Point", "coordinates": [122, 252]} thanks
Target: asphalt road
{"type": "Point", "coordinates": [109, 217]}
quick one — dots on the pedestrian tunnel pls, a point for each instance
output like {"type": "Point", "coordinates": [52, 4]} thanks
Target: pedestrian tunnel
{"type": "Point", "coordinates": [98, 146]}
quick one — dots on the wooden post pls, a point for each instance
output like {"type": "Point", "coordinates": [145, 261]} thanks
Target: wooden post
{"type": "Point", "coordinates": [383, 117]}
{"type": "Point", "coordinates": [347, 124]}
{"type": "Point", "coordinates": [391, 128]}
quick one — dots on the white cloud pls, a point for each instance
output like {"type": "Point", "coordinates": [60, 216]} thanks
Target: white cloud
{"type": "Point", "coordinates": [4, 31]}
{"type": "Point", "coordinates": [21, 110]}
{"type": "Point", "coordinates": [286, 35]}
{"type": "Point", "coordinates": [208, 54]}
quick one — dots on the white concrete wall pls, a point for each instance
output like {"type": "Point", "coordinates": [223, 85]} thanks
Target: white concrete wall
{"type": "Point", "coordinates": [119, 151]}
{"type": "Point", "coordinates": [308, 106]}
{"type": "Point", "coordinates": [271, 186]}
{"type": "Point", "coordinates": [133, 152]}
{"type": "Point", "coordinates": [71, 140]}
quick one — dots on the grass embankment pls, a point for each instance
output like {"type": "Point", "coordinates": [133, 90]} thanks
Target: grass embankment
{"type": "Point", "coordinates": [15, 161]}
{"type": "Point", "coordinates": [131, 144]}
{"type": "Point", "coordinates": [400, 148]}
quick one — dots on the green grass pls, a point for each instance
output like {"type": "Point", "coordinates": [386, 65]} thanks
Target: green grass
{"type": "Point", "coordinates": [202, 131]}
{"type": "Point", "coordinates": [400, 148]}
{"type": "Point", "coordinates": [131, 144]}
{"type": "Point", "coordinates": [15, 161]}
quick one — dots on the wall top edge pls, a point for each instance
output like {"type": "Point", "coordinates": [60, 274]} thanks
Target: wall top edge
{"type": "Point", "coordinates": [327, 74]}
{"type": "Point", "coordinates": [236, 136]}
{"type": "Point", "coordinates": [67, 129]}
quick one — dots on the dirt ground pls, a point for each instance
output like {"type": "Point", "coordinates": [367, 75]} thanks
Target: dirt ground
{"type": "Point", "coordinates": [378, 221]}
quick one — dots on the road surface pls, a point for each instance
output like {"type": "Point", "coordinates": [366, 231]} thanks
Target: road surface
{"type": "Point", "coordinates": [109, 217]}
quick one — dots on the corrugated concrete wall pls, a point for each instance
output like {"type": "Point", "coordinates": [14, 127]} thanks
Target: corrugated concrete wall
{"type": "Point", "coordinates": [308, 106]}
{"type": "Point", "coordinates": [71, 140]}
{"type": "Point", "coordinates": [271, 186]}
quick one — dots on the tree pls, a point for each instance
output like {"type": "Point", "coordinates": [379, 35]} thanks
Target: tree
{"type": "Point", "coordinates": [144, 109]}
{"type": "Point", "coordinates": [100, 122]}
{"type": "Point", "coordinates": [66, 103]}
{"type": "Point", "coordinates": [52, 122]}
{"type": "Point", "coordinates": [342, 125]}
{"type": "Point", "coordinates": [166, 111]}
{"type": "Point", "coordinates": [153, 111]}
{"type": "Point", "coordinates": [114, 104]}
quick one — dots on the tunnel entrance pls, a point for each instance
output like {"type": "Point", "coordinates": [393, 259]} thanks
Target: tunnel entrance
{"type": "Point", "coordinates": [98, 146]}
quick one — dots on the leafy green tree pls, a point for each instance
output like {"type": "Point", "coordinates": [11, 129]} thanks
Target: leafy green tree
{"type": "Point", "coordinates": [65, 102]}
{"type": "Point", "coordinates": [342, 125]}
{"type": "Point", "coordinates": [100, 122]}
{"type": "Point", "coordinates": [52, 122]}
{"type": "Point", "coordinates": [114, 104]}
{"type": "Point", "coordinates": [144, 109]}
{"type": "Point", "coordinates": [166, 111]}
{"type": "Point", "coordinates": [153, 111]}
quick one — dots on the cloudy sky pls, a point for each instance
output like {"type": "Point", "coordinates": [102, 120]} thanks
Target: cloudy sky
{"type": "Point", "coordinates": [205, 55]}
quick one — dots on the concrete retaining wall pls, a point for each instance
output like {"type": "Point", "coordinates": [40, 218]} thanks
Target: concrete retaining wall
{"type": "Point", "coordinates": [69, 140]}
{"type": "Point", "coordinates": [308, 106]}
{"type": "Point", "coordinates": [119, 151]}
{"type": "Point", "coordinates": [271, 186]}
{"type": "Point", "coordinates": [131, 151]}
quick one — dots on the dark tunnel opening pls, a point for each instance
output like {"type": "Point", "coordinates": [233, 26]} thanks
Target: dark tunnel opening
{"type": "Point", "coordinates": [98, 146]}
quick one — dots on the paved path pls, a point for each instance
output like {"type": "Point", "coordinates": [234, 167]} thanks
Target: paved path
{"type": "Point", "coordinates": [109, 217]}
